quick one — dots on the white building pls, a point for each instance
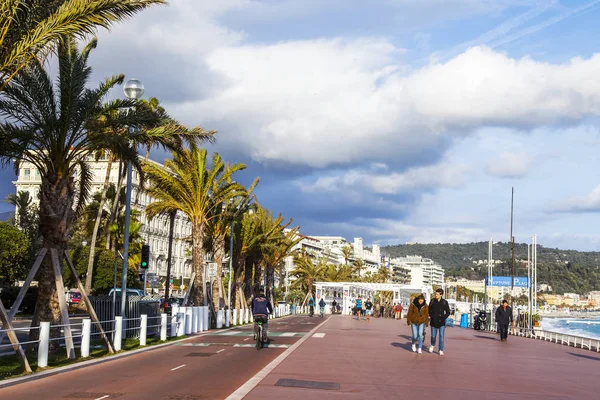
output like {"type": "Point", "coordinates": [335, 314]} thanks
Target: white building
{"type": "Point", "coordinates": [423, 271]}
{"type": "Point", "coordinates": [155, 232]}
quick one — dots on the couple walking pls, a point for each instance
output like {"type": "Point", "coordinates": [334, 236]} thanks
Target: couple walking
{"type": "Point", "coordinates": [419, 316]}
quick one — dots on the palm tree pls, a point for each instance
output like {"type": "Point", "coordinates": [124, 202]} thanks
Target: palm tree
{"type": "Point", "coordinates": [189, 185]}
{"type": "Point", "coordinates": [218, 228]}
{"type": "Point", "coordinates": [306, 273]}
{"type": "Point", "coordinates": [347, 252]}
{"type": "Point", "coordinates": [32, 28]}
{"type": "Point", "coordinates": [359, 265]}
{"type": "Point", "coordinates": [383, 275]}
{"type": "Point", "coordinates": [152, 104]}
{"type": "Point", "coordinates": [57, 128]}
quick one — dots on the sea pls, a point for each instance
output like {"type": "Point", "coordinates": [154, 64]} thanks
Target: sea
{"type": "Point", "coordinates": [573, 326]}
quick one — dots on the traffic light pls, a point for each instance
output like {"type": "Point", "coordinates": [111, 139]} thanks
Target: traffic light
{"type": "Point", "coordinates": [145, 257]}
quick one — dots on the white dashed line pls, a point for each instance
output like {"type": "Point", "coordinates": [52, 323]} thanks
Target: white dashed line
{"type": "Point", "coordinates": [181, 366]}
{"type": "Point", "coordinates": [246, 339]}
{"type": "Point", "coordinates": [220, 351]}
{"type": "Point", "coordinates": [103, 397]}
{"type": "Point", "coordinates": [319, 335]}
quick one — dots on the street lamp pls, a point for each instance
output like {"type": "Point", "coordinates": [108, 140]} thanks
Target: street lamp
{"type": "Point", "coordinates": [133, 89]}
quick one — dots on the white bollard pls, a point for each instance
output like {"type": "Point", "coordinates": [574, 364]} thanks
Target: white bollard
{"type": "Point", "coordinates": [189, 318]}
{"type": "Point", "coordinates": [118, 333]}
{"type": "Point", "coordinates": [234, 317]}
{"type": "Point", "coordinates": [247, 319]}
{"type": "Point", "coordinates": [174, 312]}
{"type": "Point", "coordinates": [44, 344]}
{"type": "Point", "coordinates": [227, 318]}
{"type": "Point", "coordinates": [206, 325]}
{"type": "Point", "coordinates": [143, 329]}
{"type": "Point", "coordinates": [86, 331]}
{"type": "Point", "coordinates": [201, 319]}
{"type": "Point", "coordinates": [219, 319]}
{"type": "Point", "coordinates": [163, 327]}
{"type": "Point", "coordinates": [198, 319]}
{"type": "Point", "coordinates": [181, 321]}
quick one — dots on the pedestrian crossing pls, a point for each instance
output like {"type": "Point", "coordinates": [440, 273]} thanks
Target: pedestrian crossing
{"type": "Point", "coordinates": [249, 333]}
{"type": "Point", "coordinates": [266, 345]}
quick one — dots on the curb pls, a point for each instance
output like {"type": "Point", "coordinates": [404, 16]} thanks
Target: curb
{"type": "Point", "coordinates": [78, 365]}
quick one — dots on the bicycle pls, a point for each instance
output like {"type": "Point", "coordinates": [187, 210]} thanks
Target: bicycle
{"type": "Point", "coordinates": [258, 333]}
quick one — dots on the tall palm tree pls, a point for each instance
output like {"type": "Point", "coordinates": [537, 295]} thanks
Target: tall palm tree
{"type": "Point", "coordinates": [30, 29]}
{"type": "Point", "coordinates": [347, 252]}
{"type": "Point", "coordinates": [190, 185]}
{"type": "Point", "coordinates": [383, 275]}
{"type": "Point", "coordinates": [307, 272]}
{"type": "Point", "coordinates": [57, 128]}
{"type": "Point", "coordinates": [218, 227]}
{"type": "Point", "coordinates": [359, 265]}
{"type": "Point", "coordinates": [198, 135]}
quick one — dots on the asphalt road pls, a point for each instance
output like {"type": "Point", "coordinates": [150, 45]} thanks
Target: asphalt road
{"type": "Point", "coordinates": [210, 366]}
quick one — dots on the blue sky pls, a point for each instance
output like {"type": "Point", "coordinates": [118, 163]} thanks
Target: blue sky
{"type": "Point", "coordinates": [393, 120]}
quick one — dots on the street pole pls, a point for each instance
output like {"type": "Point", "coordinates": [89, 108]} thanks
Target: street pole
{"type": "Point", "coordinates": [133, 89]}
{"type": "Point", "coordinates": [512, 282]}
{"type": "Point", "coordinates": [172, 216]}
{"type": "Point", "coordinates": [126, 238]}
{"type": "Point", "coordinates": [230, 265]}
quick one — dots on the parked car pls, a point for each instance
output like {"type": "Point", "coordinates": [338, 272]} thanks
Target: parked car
{"type": "Point", "coordinates": [73, 297]}
{"type": "Point", "coordinates": [129, 292]}
{"type": "Point", "coordinates": [168, 304]}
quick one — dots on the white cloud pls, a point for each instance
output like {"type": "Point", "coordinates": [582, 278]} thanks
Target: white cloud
{"type": "Point", "coordinates": [328, 102]}
{"type": "Point", "coordinates": [373, 181]}
{"type": "Point", "coordinates": [587, 203]}
{"type": "Point", "coordinates": [509, 165]}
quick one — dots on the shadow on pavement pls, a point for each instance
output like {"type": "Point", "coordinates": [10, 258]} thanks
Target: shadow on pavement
{"type": "Point", "coordinates": [407, 337]}
{"type": "Point", "coordinates": [585, 356]}
{"type": "Point", "coordinates": [487, 337]}
{"type": "Point", "coordinates": [405, 346]}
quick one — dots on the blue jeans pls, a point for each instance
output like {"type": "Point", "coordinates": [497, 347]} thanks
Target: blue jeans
{"type": "Point", "coordinates": [434, 332]}
{"type": "Point", "coordinates": [417, 334]}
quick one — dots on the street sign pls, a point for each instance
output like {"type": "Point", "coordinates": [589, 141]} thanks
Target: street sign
{"type": "Point", "coordinates": [211, 271]}
{"type": "Point", "coordinates": [506, 281]}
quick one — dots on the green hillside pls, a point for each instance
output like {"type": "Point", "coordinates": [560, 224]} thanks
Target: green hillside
{"type": "Point", "coordinates": [564, 270]}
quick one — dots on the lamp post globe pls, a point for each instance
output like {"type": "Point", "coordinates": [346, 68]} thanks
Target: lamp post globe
{"type": "Point", "coordinates": [133, 89]}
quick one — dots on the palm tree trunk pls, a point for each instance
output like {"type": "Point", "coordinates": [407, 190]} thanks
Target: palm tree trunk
{"type": "Point", "coordinates": [115, 207]}
{"type": "Point", "coordinates": [56, 217]}
{"type": "Point", "coordinates": [198, 263]}
{"type": "Point", "coordinates": [248, 267]}
{"type": "Point", "coordinates": [219, 254]}
{"type": "Point", "coordinates": [90, 268]}
{"type": "Point", "coordinates": [172, 216]}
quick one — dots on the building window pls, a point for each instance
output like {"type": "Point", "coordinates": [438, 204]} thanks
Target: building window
{"type": "Point", "coordinates": [27, 173]}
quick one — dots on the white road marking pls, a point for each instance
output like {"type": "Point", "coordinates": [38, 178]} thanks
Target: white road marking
{"type": "Point", "coordinates": [318, 335]}
{"type": "Point", "coordinates": [246, 339]}
{"type": "Point", "coordinates": [220, 351]}
{"type": "Point", "coordinates": [103, 397]}
{"type": "Point", "coordinates": [288, 334]}
{"type": "Point", "coordinates": [181, 366]}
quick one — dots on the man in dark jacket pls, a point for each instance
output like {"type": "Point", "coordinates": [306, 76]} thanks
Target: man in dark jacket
{"type": "Point", "coordinates": [504, 317]}
{"type": "Point", "coordinates": [439, 310]}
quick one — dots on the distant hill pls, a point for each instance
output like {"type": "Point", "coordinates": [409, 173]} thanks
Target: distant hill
{"type": "Point", "coordinates": [565, 270]}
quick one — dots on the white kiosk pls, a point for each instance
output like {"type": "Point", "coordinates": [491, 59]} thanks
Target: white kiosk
{"type": "Point", "coordinates": [344, 293]}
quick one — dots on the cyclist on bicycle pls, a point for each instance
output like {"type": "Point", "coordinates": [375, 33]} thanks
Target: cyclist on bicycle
{"type": "Point", "coordinates": [261, 308]}
{"type": "Point", "coordinates": [311, 306]}
{"type": "Point", "coordinates": [322, 306]}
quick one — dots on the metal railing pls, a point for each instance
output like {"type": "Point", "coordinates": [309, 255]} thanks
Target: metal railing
{"type": "Point", "coordinates": [182, 321]}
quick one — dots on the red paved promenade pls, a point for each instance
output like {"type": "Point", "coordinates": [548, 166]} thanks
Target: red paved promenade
{"type": "Point", "coordinates": [374, 361]}
{"type": "Point", "coordinates": [359, 360]}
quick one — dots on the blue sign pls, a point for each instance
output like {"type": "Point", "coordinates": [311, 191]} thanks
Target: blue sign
{"type": "Point", "coordinates": [506, 281]}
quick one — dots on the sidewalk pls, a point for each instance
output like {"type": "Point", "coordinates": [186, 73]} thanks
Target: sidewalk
{"type": "Point", "coordinates": [360, 360]}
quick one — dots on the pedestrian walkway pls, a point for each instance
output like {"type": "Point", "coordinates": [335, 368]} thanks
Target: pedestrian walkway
{"type": "Point", "coordinates": [349, 359]}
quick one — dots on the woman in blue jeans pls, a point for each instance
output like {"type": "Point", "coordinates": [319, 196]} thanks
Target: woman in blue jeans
{"type": "Point", "coordinates": [418, 319]}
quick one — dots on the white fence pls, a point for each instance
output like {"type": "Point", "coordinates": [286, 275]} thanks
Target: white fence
{"type": "Point", "coordinates": [182, 321]}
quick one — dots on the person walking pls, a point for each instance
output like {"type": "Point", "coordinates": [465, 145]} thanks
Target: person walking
{"type": "Point", "coordinates": [418, 318]}
{"type": "Point", "coordinates": [369, 309]}
{"type": "Point", "coordinates": [398, 311]}
{"type": "Point", "coordinates": [439, 310]}
{"type": "Point", "coordinates": [503, 318]}
{"type": "Point", "coordinates": [358, 306]}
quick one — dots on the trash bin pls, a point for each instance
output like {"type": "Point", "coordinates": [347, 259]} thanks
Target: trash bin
{"type": "Point", "coordinates": [464, 321]}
